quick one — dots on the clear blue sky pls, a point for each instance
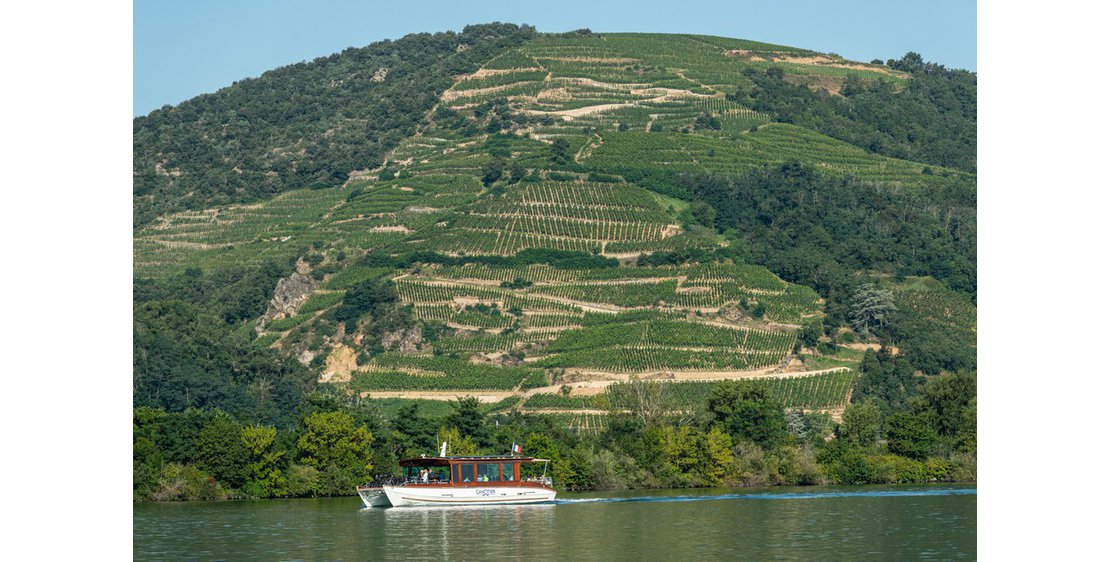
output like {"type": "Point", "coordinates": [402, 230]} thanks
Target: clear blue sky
{"type": "Point", "coordinates": [183, 49]}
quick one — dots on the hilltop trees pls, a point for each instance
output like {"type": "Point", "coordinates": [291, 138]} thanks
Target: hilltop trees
{"type": "Point", "coordinates": [237, 144]}
{"type": "Point", "coordinates": [931, 120]}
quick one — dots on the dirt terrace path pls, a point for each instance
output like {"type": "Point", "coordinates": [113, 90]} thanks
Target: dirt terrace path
{"type": "Point", "coordinates": [591, 387]}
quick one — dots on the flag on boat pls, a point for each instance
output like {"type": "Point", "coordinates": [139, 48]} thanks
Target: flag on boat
{"type": "Point", "coordinates": [516, 449]}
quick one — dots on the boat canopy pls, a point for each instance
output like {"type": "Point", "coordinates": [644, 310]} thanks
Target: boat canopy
{"type": "Point", "coordinates": [447, 461]}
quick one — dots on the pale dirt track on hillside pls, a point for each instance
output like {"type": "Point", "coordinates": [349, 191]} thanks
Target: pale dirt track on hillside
{"type": "Point", "coordinates": [591, 387]}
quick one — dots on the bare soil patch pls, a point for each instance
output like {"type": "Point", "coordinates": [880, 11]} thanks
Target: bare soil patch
{"type": "Point", "coordinates": [340, 362]}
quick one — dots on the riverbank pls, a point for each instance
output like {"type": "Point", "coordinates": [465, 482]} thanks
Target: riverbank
{"type": "Point", "coordinates": [740, 437]}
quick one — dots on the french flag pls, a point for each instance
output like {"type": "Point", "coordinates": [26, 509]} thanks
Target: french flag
{"type": "Point", "coordinates": [516, 449]}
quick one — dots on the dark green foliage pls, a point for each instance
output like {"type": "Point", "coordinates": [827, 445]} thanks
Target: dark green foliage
{"type": "Point", "coordinates": [704, 213]}
{"type": "Point", "coordinates": [816, 230]}
{"type": "Point", "coordinates": [492, 171]}
{"type": "Point", "coordinates": [932, 346]}
{"type": "Point", "coordinates": [235, 294]}
{"type": "Point", "coordinates": [560, 152]}
{"type": "Point", "coordinates": [910, 435]}
{"type": "Point", "coordinates": [470, 420]}
{"type": "Point", "coordinates": [413, 433]}
{"type": "Point", "coordinates": [706, 121]}
{"type": "Point", "coordinates": [375, 296]}
{"type": "Point", "coordinates": [186, 357]}
{"type": "Point", "coordinates": [302, 125]}
{"type": "Point", "coordinates": [886, 378]}
{"type": "Point", "coordinates": [948, 404]}
{"type": "Point", "coordinates": [862, 424]}
{"type": "Point", "coordinates": [932, 120]}
{"type": "Point", "coordinates": [517, 171]}
{"type": "Point", "coordinates": [811, 333]}
{"type": "Point", "coordinates": [747, 410]}
{"type": "Point", "coordinates": [518, 283]}
{"type": "Point", "coordinates": [220, 451]}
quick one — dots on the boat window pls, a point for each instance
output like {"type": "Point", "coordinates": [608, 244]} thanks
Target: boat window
{"type": "Point", "coordinates": [488, 472]}
{"type": "Point", "coordinates": [467, 471]}
{"type": "Point", "coordinates": [439, 474]}
{"type": "Point", "coordinates": [507, 471]}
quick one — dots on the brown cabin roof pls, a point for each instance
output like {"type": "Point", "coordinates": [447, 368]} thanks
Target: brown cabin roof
{"type": "Point", "coordinates": [446, 461]}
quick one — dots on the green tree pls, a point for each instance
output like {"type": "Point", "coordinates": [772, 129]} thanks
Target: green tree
{"type": "Point", "coordinates": [862, 424]}
{"type": "Point", "coordinates": [467, 416]}
{"type": "Point", "coordinates": [811, 333]}
{"type": "Point", "coordinates": [331, 439]}
{"type": "Point", "coordinates": [747, 410]}
{"type": "Point", "coordinates": [910, 435]}
{"type": "Point", "coordinates": [560, 151]}
{"type": "Point", "coordinates": [146, 457]}
{"type": "Point", "coordinates": [871, 306]}
{"type": "Point", "coordinates": [266, 478]}
{"type": "Point", "coordinates": [704, 214]}
{"type": "Point", "coordinates": [221, 453]}
{"type": "Point", "coordinates": [457, 444]}
{"type": "Point", "coordinates": [717, 456]}
{"type": "Point", "coordinates": [517, 171]}
{"type": "Point", "coordinates": [492, 171]}
{"type": "Point", "coordinates": [945, 400]}
{"type": "Point", "coordinates": [542, 446]}
{"type": "Point", "coordinates": [373, 296]}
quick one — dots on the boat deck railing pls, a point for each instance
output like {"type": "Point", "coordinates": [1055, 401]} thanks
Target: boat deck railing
{"type": "Point", "coordinates": [401, 481]}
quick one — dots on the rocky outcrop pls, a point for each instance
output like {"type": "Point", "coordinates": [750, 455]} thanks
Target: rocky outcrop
{"type": "Point", "coordinates": [289, 294]}
{"type": "Point", "coordinates": [404, 341]}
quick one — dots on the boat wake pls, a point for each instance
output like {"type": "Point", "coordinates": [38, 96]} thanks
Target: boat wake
{"type": "Point", "coordinates": [780, 496]}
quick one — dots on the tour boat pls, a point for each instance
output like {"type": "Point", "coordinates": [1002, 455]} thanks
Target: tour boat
{"type": "Point", "coordinates": [479, 480]}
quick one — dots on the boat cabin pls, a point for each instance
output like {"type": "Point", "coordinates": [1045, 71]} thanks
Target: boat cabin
{"type": "Point", "coordinates": [477, 471]}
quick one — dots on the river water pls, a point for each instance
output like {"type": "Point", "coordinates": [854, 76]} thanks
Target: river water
{"type": "Point", "coordinates": [935, 522]}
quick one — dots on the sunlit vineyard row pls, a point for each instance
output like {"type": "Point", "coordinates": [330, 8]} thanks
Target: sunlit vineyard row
{"type": "Point", "coordinates": [772, 143]}
{"type": "Point", "coordinates": [392, 371]}
{"type": "Point", "coordinates": [674, 333]}
{"type": "Point", "coordinates": [660, 359]}
{"type": "Point", "coordinates": [811, 392]}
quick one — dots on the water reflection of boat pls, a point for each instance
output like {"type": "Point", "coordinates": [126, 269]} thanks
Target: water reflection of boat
{"type": "Point", "coordinates": [479, 480]}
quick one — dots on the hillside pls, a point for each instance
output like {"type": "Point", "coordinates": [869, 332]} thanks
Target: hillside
{"type": "Point", "coordinates": [536, 218]}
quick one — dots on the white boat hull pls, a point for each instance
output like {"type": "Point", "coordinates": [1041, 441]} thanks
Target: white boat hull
{"type": "Point", "coordinates": [373, 497]}
{"type": "Point", "coordinates": [486, 495]}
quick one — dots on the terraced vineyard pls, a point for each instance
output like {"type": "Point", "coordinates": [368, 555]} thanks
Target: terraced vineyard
{"type": "Point", "coordinates": [636, 81]}
{"type": "Point", "coordinates": [577, 216]}
{"type": "Point", "coordinates": [558, 144]}
{"type": "Point", "coordinates": [624, 151]}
